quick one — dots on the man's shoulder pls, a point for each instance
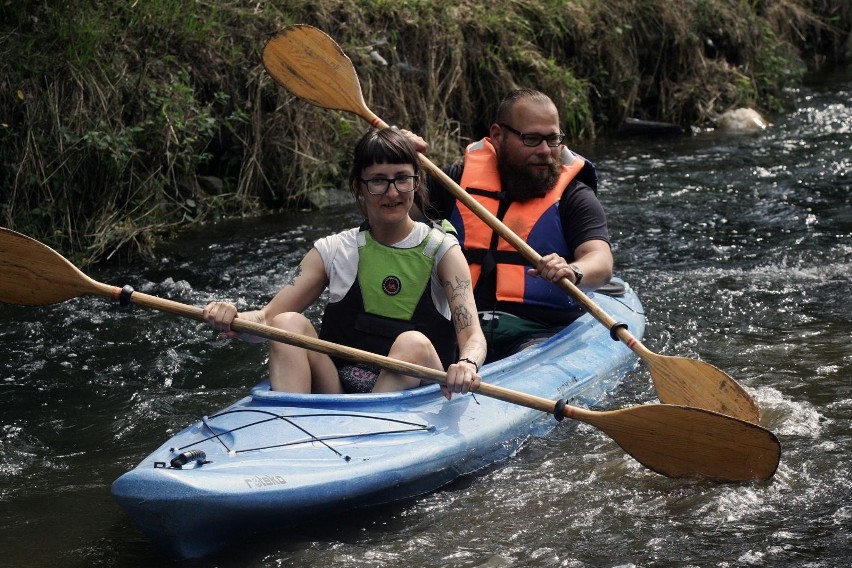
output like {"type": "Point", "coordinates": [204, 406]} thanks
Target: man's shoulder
{"type": "Point", "coordinates": [443, 200]}
{"type": "Point", "coordinates": [588, 173]}
{"type": "Point", "coordinates": [453, 171]}
{"type": "Point", "coordinates": [578, 192]}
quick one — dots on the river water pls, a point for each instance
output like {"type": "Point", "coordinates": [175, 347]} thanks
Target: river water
{"type": "Point", "coordinates": [741, 249]}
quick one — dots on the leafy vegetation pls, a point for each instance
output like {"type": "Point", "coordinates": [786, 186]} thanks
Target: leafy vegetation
{"type": "Point", "coordinates": [121, 123]}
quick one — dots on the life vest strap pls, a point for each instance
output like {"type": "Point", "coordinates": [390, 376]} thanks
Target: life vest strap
{"type": "Point", "coordinates": [479, 256]}
{"type": "Point", "coordinates": [499, 195]}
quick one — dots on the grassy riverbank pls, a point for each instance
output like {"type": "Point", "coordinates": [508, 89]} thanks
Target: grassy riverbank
{"type": "Point", "coordinates": [121, 123]}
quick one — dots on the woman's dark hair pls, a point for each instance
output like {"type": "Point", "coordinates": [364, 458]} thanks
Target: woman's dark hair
{"type": "Point", "coordinates": [385, 146]}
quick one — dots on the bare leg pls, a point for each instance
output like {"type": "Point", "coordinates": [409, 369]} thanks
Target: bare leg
{"type": "Point", "coordinates": [294, 369]}
{"type": "Point", "coordinates": [412, 347]}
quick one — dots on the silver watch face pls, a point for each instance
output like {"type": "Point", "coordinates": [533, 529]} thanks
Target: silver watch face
{"type": "Point", "coordinates": [578, 274]}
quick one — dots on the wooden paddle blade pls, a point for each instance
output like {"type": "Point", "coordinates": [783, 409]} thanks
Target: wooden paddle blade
{"type": "Point", "coordinates": [33, 274]}
{"type": "Point", "coordinates": [679, 441]}
{"type": "Point", "coordinates": [690, 382]}
{"type": "Point", "coordinates": [308, 63]}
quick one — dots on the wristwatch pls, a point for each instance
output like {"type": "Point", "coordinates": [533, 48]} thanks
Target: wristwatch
{"type": "Point", "coordinates": [578, 274]}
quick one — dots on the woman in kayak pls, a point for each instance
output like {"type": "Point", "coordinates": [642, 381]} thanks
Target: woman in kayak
{"type": "Point", "coordinates": [397, 287]}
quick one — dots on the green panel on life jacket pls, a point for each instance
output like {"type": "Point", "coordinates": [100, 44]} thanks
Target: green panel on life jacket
{"type": "Point", "coordinates": [393, 280]}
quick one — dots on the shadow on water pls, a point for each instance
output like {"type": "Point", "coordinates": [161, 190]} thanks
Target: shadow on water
{"type": "Point", "coordinates": [741, 249]}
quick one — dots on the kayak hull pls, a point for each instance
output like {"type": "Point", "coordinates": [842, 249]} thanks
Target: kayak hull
{"type": "Point", "coordinates": [271, 459]}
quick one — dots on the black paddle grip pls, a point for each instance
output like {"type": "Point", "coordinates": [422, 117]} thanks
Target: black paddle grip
{"type": "Point", "coordinates": [124, 297]}
{"type": "Point", "coordinates": [559, 409]}
{"type": "Point", "coordinates": [613, 331]}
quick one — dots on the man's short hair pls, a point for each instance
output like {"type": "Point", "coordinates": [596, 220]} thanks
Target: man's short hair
{"type": "Point", "coordinates": [504, 109]}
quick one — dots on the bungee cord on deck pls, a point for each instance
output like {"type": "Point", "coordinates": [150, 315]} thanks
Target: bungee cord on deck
{"type": "Point", "coordinates": [290, 419]}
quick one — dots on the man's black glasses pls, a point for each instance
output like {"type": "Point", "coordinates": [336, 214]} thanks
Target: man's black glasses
{"type": "Point", "coordinates": [533, 140]}
{"type": "Point", "coordinates": [380, 186]}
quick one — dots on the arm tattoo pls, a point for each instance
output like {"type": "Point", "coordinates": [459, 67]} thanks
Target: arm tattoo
{"type": "Point", "coordinates": [462, 318]}
{"type": "Point", "coordinates": [296, 274]}
{"type": "Point", "coordinates": [457, 291]}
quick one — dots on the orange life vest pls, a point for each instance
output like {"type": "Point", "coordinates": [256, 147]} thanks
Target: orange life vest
{"type": "Point", "coordinates": [536, 221]}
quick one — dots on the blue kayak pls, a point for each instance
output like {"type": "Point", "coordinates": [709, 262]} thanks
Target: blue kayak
{"type": "Point", "coordinates": [274, 459]}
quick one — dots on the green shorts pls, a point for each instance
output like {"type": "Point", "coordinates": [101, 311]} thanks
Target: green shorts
{"type": "Point", "coordinates": [507, 334]}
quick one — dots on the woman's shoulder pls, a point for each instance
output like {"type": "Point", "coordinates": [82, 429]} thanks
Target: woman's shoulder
{"type": "Point", "coordinates": [423, 231]}
{"type": "Point", "coordinates": [448, 241]}
{"type": "Point", "coordinates": [336, 241]}
{"type": "Point", "coordinates": [419, 231]}
{"type": "Point", "coordinates": [343, 236]}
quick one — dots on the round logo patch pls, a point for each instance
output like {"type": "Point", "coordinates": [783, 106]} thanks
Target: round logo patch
{"type": "Point", "coordinates": [391, 285]}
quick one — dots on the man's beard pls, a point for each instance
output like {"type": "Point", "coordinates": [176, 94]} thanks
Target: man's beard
{"type": "Point", "coordinates": [522, 184]}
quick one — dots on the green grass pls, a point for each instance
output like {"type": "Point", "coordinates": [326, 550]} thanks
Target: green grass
{"type": "Point", "coordinates": [122, 123]}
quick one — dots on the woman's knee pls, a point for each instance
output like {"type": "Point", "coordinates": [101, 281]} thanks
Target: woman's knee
{"type": "Point", "coordinates": [292, 321]}
{"type": "Point", "coordinates": [413, 346]}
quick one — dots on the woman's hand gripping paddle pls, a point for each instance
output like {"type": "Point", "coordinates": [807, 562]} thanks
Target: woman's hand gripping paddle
{"type": "Point", "coordinates": [675, 441]}
{"type": "Point", "coordinates": [311, 65]}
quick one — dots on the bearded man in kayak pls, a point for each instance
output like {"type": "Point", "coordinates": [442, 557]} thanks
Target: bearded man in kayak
{"type": "Point", "coordinates": [397, 287]}
{"type": "Point", "coordinates": [546, 194]}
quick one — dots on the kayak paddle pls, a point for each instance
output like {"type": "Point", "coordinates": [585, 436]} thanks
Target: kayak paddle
{"type": "Point", "coordinates": [676, 441]}
{"type": "Point", "coordinates": [310, 64]}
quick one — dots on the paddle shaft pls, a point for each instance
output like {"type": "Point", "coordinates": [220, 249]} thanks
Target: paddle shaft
{"type": "Point", "coordinates": [675, 441]}
{"type": "Point", "coordinates": [672, 440]}
{"type": "Point", "coordinates": [329, 348]}
{"type": "Point", "coordinates": [311, 65]}
{"type": "Point", "coordinates": [677, 379]}
{"type": "Point", "coordinates": [515, 241]}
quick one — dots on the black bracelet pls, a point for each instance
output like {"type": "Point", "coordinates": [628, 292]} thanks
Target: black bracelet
{"type": "Point", "coordinates": [469, 361]}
